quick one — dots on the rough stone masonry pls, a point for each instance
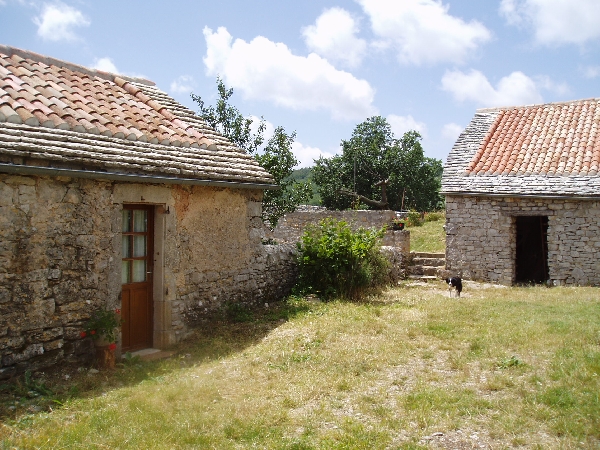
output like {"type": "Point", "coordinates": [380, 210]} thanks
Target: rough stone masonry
{"type": "Point", "coordinates": [60, 259]}
{"type": "Point", "coordinates": [481, 237]}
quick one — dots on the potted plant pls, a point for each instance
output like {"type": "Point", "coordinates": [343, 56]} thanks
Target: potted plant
{"type": "Point", "coordinates": [397, 224]}
{"type": "Point", "coordinates": [103, 328]}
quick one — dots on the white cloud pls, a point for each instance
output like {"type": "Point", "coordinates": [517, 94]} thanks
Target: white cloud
{"type": "Point", "coordinates": [334, 37]}
{"type": "Point", "coordinates": [183, 84]}
{"type": "Point", "coordinates": [514, 89]}
{"type": "Point", "coordinates": [306, 154]}
{"type": "Point", "coordinates": [105, 64]}
{"type": "Point", "coordinates": [423, 32]}
{"type": "Point", "coordinates": [57, 21]}
{"type": "Point", "coordinates": [555, 21]}
{"type": "Point", "coordinates": [265, 70]}
{"type": "Point", "coordinates": [402, 124]}
{"type": "Point", "coordinates": [591, 71]}
{"type": "Point", "coordinates": [451, 131]}
{"type": "Point", "coordinates": [544, 82]}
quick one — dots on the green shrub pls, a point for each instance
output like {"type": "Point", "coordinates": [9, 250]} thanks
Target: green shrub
{"type": "Point", "coordinates": [335, 261]}
{"type": "Point", "coordinates": [433, 216]}
{"type": "Point", "coordinates": [414, 219]}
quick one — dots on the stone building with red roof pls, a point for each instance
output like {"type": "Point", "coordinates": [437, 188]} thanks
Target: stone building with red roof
{"type": "Point", "coordinates": [113, 195]}
{"type": "Point", "coordinates": [522, 188]}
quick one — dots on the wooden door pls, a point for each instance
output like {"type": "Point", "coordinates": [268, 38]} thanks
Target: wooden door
{"type": "Point", "coordinates": [136, 276]}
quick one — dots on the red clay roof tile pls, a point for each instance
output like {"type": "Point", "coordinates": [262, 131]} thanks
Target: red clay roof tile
{"type": "Point", "coordinates": [41, 91]}
{"type": "Point", "coordinates": [561, 138]}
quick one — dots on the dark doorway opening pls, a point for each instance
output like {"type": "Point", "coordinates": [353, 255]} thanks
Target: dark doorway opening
{"type": "Point", "coordinates": [532, 249]}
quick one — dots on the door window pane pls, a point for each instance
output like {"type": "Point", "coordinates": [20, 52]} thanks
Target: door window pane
{"type": "Point", "coordinates": [126, 218]}
{"type": "Point", "coordinates": [125, 272]}
{"type": "Point", "coordinates": [139, 220]}
{"type": "Point", "coordinates": [126, 240]}
{"type": "Point", "coordinates": [139, 246]}
{"type": "Point", "coordinates": [139, 270]}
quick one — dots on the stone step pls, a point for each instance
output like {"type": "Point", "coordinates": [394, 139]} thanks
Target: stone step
{"type": "Point", "coordinates": [427, 255]}
{"type": "Point", "coordinates": [425, 278]}
{"type": "Point", "coordinates": [423, 270]}
{"type": "Point", "coordinates": [421, 261]}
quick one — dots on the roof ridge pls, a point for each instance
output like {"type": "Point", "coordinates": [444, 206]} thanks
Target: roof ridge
{"type": "Point", "coordinates": [36, 57]}
{"type": "Point", "coordinates": [535, 105]}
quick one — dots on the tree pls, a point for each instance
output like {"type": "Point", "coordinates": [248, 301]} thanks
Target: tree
{"type": "Point", "coordinates": [276, 157]}
{"type": "Point", "coordinates": [372, 156]}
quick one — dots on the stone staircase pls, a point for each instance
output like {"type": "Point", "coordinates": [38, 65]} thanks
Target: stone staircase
{"type": "Point", "coordinates": [426, 266]}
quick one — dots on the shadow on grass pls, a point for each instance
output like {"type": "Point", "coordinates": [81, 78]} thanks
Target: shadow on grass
{"type": "Point", "coordinates": [226, 332]}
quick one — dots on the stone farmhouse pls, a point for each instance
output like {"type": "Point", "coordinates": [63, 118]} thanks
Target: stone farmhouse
{"type": "Point", "coordinates": [522, 187]}
{"type": "Point", "coordinates": [113, 195]}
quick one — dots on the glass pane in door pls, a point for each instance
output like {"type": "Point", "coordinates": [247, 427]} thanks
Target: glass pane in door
{"type": "Point", "coordinates": [139, 246]}
{"type": "Point", "coordinates": [139, 270]}
{"type": "Point", "coordinates": [125, 266]}
{"type": "Point", "coordinates": [139, 221]}
{"type": "Point", "coordinates": [126, 246]}
{"type": "Point", "coordinates": [126, 221]}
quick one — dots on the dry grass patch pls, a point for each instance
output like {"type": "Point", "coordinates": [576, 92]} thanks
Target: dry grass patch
{"type": "Point", "coordinates": [501, 368]}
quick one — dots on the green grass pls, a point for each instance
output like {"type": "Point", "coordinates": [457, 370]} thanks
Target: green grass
{"type": "Point", "coordinates": [499, 368]}
{"type": "Point", "coordinates": [429, 237]}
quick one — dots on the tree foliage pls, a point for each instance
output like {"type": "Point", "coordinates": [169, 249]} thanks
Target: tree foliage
{"type": "Point", "coordinates": [229, 121]}
{"type": "Point", "coordinates": [276, 157]}
{"type": "Point", "coordinates": [335, 261]}
{"type": "Point", "coordinates": [374, 154]}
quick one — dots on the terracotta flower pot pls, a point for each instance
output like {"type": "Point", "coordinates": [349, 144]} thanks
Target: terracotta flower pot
{"type": "Point", "coordinates": [105, 357]}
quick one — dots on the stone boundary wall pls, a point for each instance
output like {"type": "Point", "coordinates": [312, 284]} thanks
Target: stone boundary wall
{"type": "Point", "coordinates": [481, 238]}
{"type": "Point", "coordinates": [396, 244]}
{"type": "Point", "coordinates": [291, 226]}
{"type": "Point", "coordinates": [270, 277]}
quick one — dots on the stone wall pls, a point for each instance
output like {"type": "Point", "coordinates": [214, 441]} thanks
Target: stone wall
{"type": "Point", "coordinates": [481, 238]}
{"type": "Point", "coordinates": [54, 267]}
{"type": "Point", "coordinates": [396, 244]}
{"type": "Point", "coordinates": [291, 226]}
{"type": "Point", "coordinates": [60, 258]}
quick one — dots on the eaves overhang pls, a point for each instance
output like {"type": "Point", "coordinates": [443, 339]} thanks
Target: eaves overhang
{"type": "Point", "coordinates": [19, 169]}
{"type": "Point", "coordinates": [515, 195]}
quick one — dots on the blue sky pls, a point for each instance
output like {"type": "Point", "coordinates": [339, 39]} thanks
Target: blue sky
{"type": "Point", "coordinates": [322, 67]}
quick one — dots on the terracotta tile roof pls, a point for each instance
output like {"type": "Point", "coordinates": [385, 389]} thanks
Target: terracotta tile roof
{"type": "Point", "coordinates": [539, 150]}
{"type": "Point", "coordinates": [64, 114]}
{"type": "Point", "coordinates": [553, 139]}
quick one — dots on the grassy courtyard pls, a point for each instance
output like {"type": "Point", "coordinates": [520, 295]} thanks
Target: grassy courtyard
{"type": "Point", "coordinates": [408, 369]}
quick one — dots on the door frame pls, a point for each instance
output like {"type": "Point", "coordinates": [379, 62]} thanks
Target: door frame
{"type": "Point", "coordinates": [150, 259]}
{"type": "Point", "coordinates": [166, 332]}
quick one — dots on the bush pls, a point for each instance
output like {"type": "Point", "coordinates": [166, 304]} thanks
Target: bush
{"type": "Point", "coordinates": [433, 216]}
{"type": "Point", "coordinates": [335, 261]}
{"type": "Point", "coordinates": [414, 219]}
